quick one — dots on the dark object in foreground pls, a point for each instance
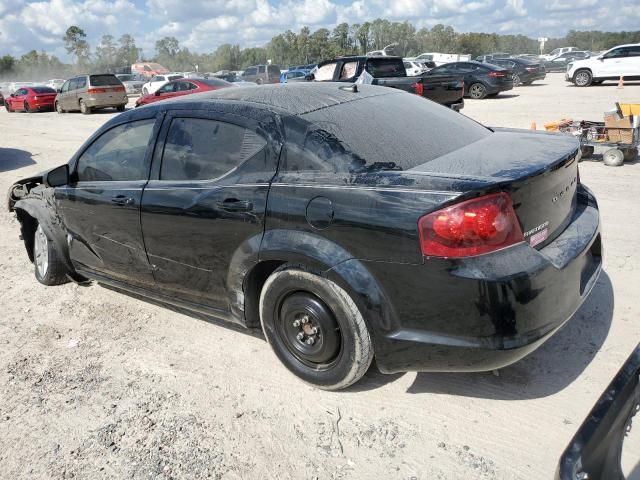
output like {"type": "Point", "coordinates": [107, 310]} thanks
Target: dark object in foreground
{"type": "Point", "coordinates": [595, 451]}
{"type": "Point", "coordinates": [345, 222]}
{"type": "Point", "coordinates": [447, 90]}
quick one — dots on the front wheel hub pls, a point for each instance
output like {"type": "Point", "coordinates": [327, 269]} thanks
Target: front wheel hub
{"type": "Point", "coordinates": [309, 329]}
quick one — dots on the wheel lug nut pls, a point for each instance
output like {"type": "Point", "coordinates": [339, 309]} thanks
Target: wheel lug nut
{"type": "Point", "coordinates": [300, 336]}
{"type": "Point", "coordinates": [296, 323]}
{"type": "Point", "coordinates": [314, 330]}
{"type": "Point", "coordinates": [305, 319]}
{"type": "Point", "coordinates": [310, 341]}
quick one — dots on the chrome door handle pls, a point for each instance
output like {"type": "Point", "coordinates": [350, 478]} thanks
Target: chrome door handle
{"type": "Point", "coordinates": [122, 200]}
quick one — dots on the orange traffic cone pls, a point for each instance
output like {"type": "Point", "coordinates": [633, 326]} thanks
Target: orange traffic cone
{"type": "Point", "coordinates": [533, 126]}
{"type": "Point", "coordinates": [621, 82]}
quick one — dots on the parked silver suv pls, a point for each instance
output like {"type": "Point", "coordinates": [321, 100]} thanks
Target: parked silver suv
{"type": "Point", "coordinates": [91, 92]}
{"type": "Point", "coordinates": [262, 74]}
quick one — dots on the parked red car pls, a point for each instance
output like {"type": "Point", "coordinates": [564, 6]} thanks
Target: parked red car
{"type": "Point", "coordinates": [183, 86]}
{"type": "Point", "coordinates": [30, 99]}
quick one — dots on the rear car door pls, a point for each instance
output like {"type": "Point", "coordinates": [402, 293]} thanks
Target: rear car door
{"type": "Point", "coordinates": [68, 97]}
{"type": "Point", "coordinates": [633, 59]}
{"type": "Point", "coordinates": [101, 205]}
{"type": "Point", "coordinates": [613, 63]}
{"type": "Point", "coordinates": [206, 198]}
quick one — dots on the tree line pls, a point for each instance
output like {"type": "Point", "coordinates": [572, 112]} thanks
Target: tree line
{"type": "Point", "coordinates": [291, 48]}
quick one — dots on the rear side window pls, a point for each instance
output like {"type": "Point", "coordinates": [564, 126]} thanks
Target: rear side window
{"type": "Point", "coordinates": [202, 149]}
{"type": "Point", "coordinates": [633, 51]}
{"type": "Point", "coordinates": [82, 82]}
{"type": "Point", "coordinates": [73, 84]}
{"type": "Point", "coordinates": [250, 71]}
{"type": "Point", "coordinates": [261, 69]}
{"type": "Point", "coordinates": [118, 154]}
{"type": "Point", "coordinates": [325, 72]}
{"type": "Point", "coordinates": [173, 77]}
{"type": "Point", "coordinates": [348, 70]}
{"type": "Point", "coordinates": [412, 131]}
{"type": "Point", "coordinates": [273, 70]}
{"type": "Point", "coordinates": [103, 80]}
{"type": "Point", "coordinates": [383, 68]}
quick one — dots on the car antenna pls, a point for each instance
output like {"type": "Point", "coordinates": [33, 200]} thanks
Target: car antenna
{"type": "Point", "coordinates": [351, 88]}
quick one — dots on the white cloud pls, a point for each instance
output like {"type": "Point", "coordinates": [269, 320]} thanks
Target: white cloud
{"type": "Point", "coordinates": [202, 25]}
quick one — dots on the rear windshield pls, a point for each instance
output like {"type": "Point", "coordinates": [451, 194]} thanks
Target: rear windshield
{"type": "Point", "coordinates": [175, 77]}
{"type": "Point", "coordinates": [43, 90]}
{"type": "Point", "coordinates": [103, 80]}
{"type": "Point", "coordinates": [411, 132]}
{"type": "Point", "coordinates": [384, 68]}
{"type": "Point", "coordinates": [126, 78]}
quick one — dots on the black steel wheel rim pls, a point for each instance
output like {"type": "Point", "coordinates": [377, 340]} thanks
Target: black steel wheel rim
{"type": "Point", "coordinates": [309, 331]}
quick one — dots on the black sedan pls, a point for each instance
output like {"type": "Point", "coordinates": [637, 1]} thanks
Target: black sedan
{"type": "Point", "coordinates": [525, 71]}
{"type": "Point", "coordinates": [347, 223]}
{"type": "Point", "coordinates": [480, 79]}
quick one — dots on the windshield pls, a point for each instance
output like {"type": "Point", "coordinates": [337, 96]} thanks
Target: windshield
{"type": "Point", "coordinates": [43, 90]}
{"type": "Point", "coordinates": [126, 78]}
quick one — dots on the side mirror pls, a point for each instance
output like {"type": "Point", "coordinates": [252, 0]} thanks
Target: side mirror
{"type": "Point", "coordinates": [601, 58]}
{"type": "Point", "coordinates": [12, 95]}
{"type": "Point", "coordinates": [157, 94]}
{"type": "Point", "coordinates": [57, 177]}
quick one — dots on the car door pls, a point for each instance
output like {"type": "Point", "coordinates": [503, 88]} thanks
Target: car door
{"type": "Point", "coordinates": [206, 198]}
{"type": "Point", "coordinates": [17, 101]}
{"type": "Point", "coordinates": [100, 207]}
{"type": "Point", "coordinates": [68, 99]}
{"type": "Point", "coordinates": [633, 59]}
{"type": "Point", "coordinates": [63, 93]}
{"type": "Point", "coordinates": [164, 92]}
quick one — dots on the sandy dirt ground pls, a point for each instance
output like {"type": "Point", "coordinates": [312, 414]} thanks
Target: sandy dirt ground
{"type": "Point", "coordinates": [95, 384]}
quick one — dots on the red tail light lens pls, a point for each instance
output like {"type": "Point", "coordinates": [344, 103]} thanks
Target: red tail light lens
{"type": "Point", "coordinates": [96, 90]}
{"type": "Point", "coordinates": [118, 89]}
{"type": "Point", "coordinates": [473, 227]}
{"type": "Point", "coordinates": [419, 88]}
{"type": "Point", "coordinates": [497, 74]}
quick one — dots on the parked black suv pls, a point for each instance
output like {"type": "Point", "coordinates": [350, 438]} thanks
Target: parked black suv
{"type": "Point", "coordinates": [345, 223]}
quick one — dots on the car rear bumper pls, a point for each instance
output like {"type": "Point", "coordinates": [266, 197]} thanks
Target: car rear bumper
{"type": "Point", "coordinates": [116, 101]}
{"type": "Point", "coordinates": [486, 312]}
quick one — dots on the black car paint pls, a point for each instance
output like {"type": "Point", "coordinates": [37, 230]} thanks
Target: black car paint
{"type": "Point", "coordinates": [475, 72]}
{"type": "Point", "coordinates": [595, 450]}
{"type": "Point", "coordinates": [443, 89]}
{"type": "Point", "coordinates": [474, 313]}
{"type": "Point", "coordinates": [519, 67]}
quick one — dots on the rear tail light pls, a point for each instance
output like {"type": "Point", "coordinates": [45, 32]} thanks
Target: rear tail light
{"type": "Point", "coordinates": [497, 74]}
{"type": "Point", "coordinates": [36, 98]}
{"type": "Point", "coordinates": [119, 89]}
{"type": "Point", "coordinates": [418, 88]}
{"type": "Point", "coordinates": [531, 69]}
{"type": "Point", "coordinates": [473, 227]}
{"type": "Point", "coordinates": [97, 90]}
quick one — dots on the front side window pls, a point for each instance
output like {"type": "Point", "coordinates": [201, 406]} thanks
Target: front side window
{"type": "Point", "coordinates": [118, 154]}
{"type": "Point", "coordinates": [325, 72]}
{"type": "Point", "coordinates": [617, 53]}
{"type": "Point", "coordinates": [202, 149]}
{"type": "Point", "coordinates": [167, 88]}
{"type": "Point", "coordinates": [73, 84]}
{"type": "Point", "coordinates": [261, 69]}
{"type": "Point", "coordinates": [65, 86]}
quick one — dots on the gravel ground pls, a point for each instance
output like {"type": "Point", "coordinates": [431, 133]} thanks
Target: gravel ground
{"type": "Point", "coordinates": [96, 384]}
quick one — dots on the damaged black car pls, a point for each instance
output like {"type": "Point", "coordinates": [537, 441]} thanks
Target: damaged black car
{"type": "Point", "coordinates": [347, 223]}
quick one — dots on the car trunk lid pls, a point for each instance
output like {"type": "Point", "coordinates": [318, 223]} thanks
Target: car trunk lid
{"type": "Point", "coordinates": [539, 171]}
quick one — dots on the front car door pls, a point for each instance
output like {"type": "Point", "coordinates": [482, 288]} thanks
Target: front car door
{"type": "Point", "coordinates": [612, 64]}
{"type": "Point", "coordinates": [68, 97]}
{"type": "Point", "coordinates": [206, 200]}
{"type": "Point", "coordinates": [100, 207]}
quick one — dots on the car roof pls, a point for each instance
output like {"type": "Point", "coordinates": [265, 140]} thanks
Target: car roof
{"type": "Point", "coordinates": [295, 98]}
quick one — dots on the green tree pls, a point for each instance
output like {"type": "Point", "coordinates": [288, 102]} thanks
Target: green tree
{"type": "Point", "coordinates": [76, 45]}
{"type": "Point", "coordinates": [167, 49]}
{"type": "Point", "coordinates": [127, 53]}
{"type": "Point", "coordinates": [7, 65]}
{"type": "Point", "coordinates": [106, 54]}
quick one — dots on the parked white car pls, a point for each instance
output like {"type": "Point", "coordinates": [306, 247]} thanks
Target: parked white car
{"type": "Point", "coordinates": [414, 68]}
{"type": "Point", "coordinates": [620, 61]}
{"type": "Point", "coordinates": [556, 53]}
{"type": "Point", "coordinates": [157, 81]}
{"type": "Point", "coordinates": [55, 83]}
{"type": "Point", "coordinates": [13, 86]}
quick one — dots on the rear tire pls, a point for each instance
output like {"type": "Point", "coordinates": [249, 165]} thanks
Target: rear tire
{"type": "Point", "coordinates": [8, 108]}
{"type": "Point", "coordinates": [84, 109]}
{"type": "Point", "coordinates": [120, 108]}
{"type": "Point", "coordinates": [582, 78]}
{"type": "Point", "coordinates": [315, 328]}
{"type": "Point", "coordinates": [58, 108]}
{"type": "Point", "coordinates": [477, 91]}
{"type": "Point", "coordinates": [259, 81]}
{"type": "Point", "coordinates": [516, 80]}
{"type": "Point", "coordinates": [630, 154]}
{"type": "Point", "coordinates": [613, 158]}
{"type": "Point", "coordinates": [49, 269]}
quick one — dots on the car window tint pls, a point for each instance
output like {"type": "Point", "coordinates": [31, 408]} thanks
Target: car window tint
{"type": "Point", "coordinates": [273, 70]}
{"type": "Point", "coordinates": [82, 82]}
{"type": "Point", "coordinates": [250, 71]}
{"type": "Point", "coordinates": [65, 86]}
{"type": "Point", "coordinates": [617, 53]}
{"type": "Point", "coordinates": [325, 72]}
{"type": "Point", "coordinates": [385, 68]}
{"type": "Point", "coordinates": [73, 84]}
{"type": "Point", "coordinates": [202, 149]}
{"type": "Point", "coordinates": [174, 77]}
{"type": "Point", "coordinates": [261, 69]}
{"type": "Point", "coordinates": [633, 51]}
{"type": "Point", "coordinates": [118, 154]}
{"type": "Point", "coordinates": [412, 132]}
{"type": "Point", "coordinates": [104, 80]}
{"type": "Point", "coordinates": [167, 88]}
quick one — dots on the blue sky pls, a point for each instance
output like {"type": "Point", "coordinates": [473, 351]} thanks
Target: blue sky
{"type": "Point", "coordinates": [202, 25]}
